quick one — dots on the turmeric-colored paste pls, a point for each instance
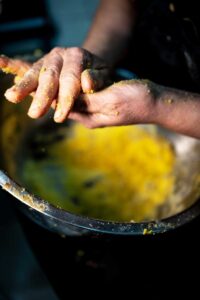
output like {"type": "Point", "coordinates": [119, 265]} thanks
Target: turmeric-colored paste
{"type": "Point", "coordinates": [117, 173]}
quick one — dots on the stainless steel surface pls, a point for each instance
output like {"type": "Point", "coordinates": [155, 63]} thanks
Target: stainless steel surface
{"type": "Point", "coordinates": [15, 126]}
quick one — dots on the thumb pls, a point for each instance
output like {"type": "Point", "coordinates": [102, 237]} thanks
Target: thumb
{"type": "Point", "coordinates": [94, 80]}
{"type": "Point", "coordinates": [89, 102]}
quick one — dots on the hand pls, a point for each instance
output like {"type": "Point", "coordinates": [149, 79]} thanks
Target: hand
{"type": "Point", "coordinates": [57, 80]}
{"type": "Point", "coordinates": [14, 66]}
{"type": "Point", "coordinates": [123, 103]}
{"type": "Point", "coordinates": [140, 102]}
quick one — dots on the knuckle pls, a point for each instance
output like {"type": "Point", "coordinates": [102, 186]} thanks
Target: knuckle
{"type": "Point", "coordinates": [30, 72]}
{"type": "Point", "coordinates": [57, 50]}
{"type": "Point", "coordinates": [52, 72]}
{"type": "Point", "coordinates": [75, 51]}
{"type": "Point", "coordinates": [34, 69]}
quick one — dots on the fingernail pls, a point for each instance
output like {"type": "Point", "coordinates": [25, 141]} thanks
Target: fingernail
{"type": "Point", "coordinates": [33, 113]}
{"type": "Point", "coordinates": [57, 115]}
{"type": "Point", "coordinates": [11, 95]}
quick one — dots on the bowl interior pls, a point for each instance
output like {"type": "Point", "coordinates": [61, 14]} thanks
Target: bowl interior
{"type": "Point", "coordinates": [16, 129]}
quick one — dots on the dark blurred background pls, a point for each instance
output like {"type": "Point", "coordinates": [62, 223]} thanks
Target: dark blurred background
{"type": "Point", "coordinates": [38, 265]}
{"type": "Point", "coordinates": [28, 26]}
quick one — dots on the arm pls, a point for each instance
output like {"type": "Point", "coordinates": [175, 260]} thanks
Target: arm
{"type": "Point", "coordinates": [111, 29]}
{"type": "Point", "coordinates": [60, 76]}
{"type": "Point", "coordinates": [178, 111]}
{"type": "Point", "coordinates": [139, 102]}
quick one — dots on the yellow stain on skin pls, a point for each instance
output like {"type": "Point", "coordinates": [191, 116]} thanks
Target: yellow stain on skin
{"type": "Point", "coordinates": [43, 69]}
{"type": "Point", "coordinates": [169, 101]}
{"type": "Point", "coordinates": [17, 79]}
{"type": "Point", "coordinates": [90, 92]}
{"type": "Point", "coordinates": [8, 70]}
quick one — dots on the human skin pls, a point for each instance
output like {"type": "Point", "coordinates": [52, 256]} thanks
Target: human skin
{"type": "Point", "coordinates": [140, 102]}
{"type": "Point", "coordinates": [68, 79]}
{"type": "Point", "coordinates": [60, 76]}
{"type": "Point", "coordinates": [133, 102]}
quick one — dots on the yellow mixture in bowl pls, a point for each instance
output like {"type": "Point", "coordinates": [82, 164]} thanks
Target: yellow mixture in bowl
{"type": "Point", "coordinates": [117, 173]}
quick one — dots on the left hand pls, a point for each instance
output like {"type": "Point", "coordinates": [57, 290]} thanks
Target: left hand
{"type": "Point", "coordinates": [123, 103]}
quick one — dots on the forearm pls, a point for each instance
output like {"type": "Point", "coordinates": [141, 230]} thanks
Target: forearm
{"type": "Point", "coordinates": [177, 110]}
{"type": "Point", "coordinates": [111, 29]}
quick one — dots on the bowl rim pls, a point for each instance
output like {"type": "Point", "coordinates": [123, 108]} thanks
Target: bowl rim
{"type": "Point", "coordinates": [97, 225]}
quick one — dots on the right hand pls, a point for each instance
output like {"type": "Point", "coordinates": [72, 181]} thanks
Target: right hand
{"type": "Point", "coordinates": [56, 80]}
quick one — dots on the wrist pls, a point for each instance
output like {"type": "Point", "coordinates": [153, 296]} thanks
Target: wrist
{"type": "Point", "coordinates": [146, 93]}
{"type": "Point", "coordinates": [164, 102]}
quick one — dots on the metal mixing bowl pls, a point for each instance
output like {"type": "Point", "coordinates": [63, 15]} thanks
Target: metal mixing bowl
{"type": "Point", "coordinates": [182, 207]}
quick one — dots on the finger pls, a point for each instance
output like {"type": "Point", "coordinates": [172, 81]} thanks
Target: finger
{"type": "Point", "coordinates": [14, 66]}
{"type": "Point", "coordinates": [83, 104]}
{"type": "Point", "coordinates": [70, 83]}
{"type": "Point", "coordinates": [94, 80]}
{"type": "Point", "coordinates": [94, 102]}
{"type": "Point", "coordinates": [54, 104]}
{"type": "Point", "coordinates": [85, 119]}
{"type": "Point", "coordinates": [92, 61]}
{"type": "Point", "coordinates": [26, 85]}
{"type": "Point", "coordinates": [47, 86]}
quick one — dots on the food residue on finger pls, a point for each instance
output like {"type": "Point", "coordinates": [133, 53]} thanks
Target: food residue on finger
{"type": "Point", "coordinates": [43, 69]}
{"type": "Point", "coordinates": [9, 70]}
{"type": "Point", "coordinates": [169, 101]}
